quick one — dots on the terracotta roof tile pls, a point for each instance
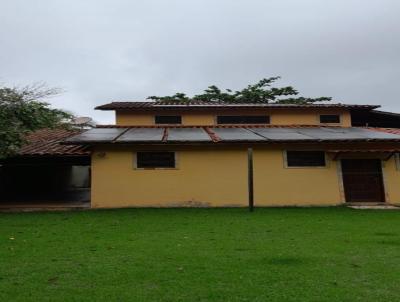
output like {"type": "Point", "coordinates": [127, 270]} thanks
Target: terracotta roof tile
{"type": "Point", "coordinates": [47, 142]}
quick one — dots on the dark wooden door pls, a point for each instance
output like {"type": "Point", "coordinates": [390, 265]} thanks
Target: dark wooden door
{"type": "Point", "coordinates": [362, 180]}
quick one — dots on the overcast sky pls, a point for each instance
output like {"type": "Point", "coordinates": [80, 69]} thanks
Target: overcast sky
{"type": "Point", "coordinates": [104, 50]}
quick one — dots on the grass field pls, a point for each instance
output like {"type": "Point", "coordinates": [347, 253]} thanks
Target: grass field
{"type": "Point", "coordinates": [317, 254]}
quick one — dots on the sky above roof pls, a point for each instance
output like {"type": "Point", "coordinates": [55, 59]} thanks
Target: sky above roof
{"type": "Point", "coordinates": [100, 51]}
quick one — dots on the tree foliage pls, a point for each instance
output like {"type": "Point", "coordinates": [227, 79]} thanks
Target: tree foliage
{"type": "Point", "coordinates": [261, 92]}
{"type": "Point", "coordinates": [23, 110]}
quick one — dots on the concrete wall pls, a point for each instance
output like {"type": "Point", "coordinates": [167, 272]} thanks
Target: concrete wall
{"type": "Point", "coordinates": [278, 117]}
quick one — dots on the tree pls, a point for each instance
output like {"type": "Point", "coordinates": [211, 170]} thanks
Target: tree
{"type": "Point", "coordinates": [261, 92]}
{"type": "Point", "coordinates": [22, 110]}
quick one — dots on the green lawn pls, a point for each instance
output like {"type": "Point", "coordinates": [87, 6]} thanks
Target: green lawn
{"type": "Point", "coordinates": [316, 254]}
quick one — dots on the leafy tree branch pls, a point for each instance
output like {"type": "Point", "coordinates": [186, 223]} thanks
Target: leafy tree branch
{"type": "Point", "coordinates": [22, 110]}
{"type": "Point", "coordinates": [261, 92]}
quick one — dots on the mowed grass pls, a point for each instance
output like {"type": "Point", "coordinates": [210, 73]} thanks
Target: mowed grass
{"type": "Point", "coordinates": [289, 254]}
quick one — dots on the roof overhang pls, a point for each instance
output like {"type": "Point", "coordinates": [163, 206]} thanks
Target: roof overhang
{"type": "Point", "coordinates": [362, 154]}
{"type": "Point", "coordinates": [198, 106]}
{"type": "Point", "coordinates": [214, 135]}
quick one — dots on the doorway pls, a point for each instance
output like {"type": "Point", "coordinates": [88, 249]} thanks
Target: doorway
{"type": "Point", "coordinates": [362, 180]}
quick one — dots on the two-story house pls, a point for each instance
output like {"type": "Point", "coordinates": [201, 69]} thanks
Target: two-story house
{"type": "Point", "coordinates": [166, 154]}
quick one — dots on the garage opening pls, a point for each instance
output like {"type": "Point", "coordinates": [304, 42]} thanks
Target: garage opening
{"type": "Point", "coordinates": [45, 173]}
{"type": "Point", "coordinates": [41, 182]}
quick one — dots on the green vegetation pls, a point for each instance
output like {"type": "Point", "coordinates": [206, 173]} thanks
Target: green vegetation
{"type": "Point", "coordinates": [22, 110]}
{"type": "Point", "coordinates": [260, 92]}
{"type": "Point", "coordinates": [315, 254]}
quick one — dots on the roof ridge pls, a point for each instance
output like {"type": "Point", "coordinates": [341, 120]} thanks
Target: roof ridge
{"type": "Point", "coordinates": [147, 105]}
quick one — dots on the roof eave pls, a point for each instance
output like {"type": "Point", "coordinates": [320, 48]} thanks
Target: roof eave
{"type": "Point", "coordinates": [146, 106]}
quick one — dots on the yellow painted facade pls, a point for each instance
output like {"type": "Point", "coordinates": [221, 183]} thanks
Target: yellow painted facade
{"type": "Point", "coordinates": [277, 116]}
{"type": "Point", "coordinates": [391, 179]}
{"type": "Point", "coordinates": [217, 177]}
{"type": "Point", "coordinates": [277, 185]}
{"type": "Point", "coordinates": [202, 178]}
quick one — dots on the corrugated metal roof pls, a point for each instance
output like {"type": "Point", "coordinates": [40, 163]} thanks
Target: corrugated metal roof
{"type": "Point", "coordinates": [234, 134]}
{"type": "Point", "coordinates": [193, 105]}
{"type": "Point", "coordinates": [47, 142]}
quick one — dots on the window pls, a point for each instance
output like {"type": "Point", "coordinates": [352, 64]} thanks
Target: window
{"type": "Point", "coordinates": [305, 158]}
{"type": "Point", "coordinates": [243, 119]}
{"type": "Point", "coordinates": [329, 119]}
{"type": "Point", "coordinates": [154, 160]}
{"type": "Point", "coordinates": [168, 119]}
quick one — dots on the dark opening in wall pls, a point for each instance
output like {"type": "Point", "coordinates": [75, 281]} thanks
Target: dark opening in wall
{"type": "Point", "coordinates": [155, 160]}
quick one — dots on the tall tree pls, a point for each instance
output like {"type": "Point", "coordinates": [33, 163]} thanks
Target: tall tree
{"type": "Point", "coordinates": [23, 110]}
{"type": "Point", "coordinates": [261, 92]}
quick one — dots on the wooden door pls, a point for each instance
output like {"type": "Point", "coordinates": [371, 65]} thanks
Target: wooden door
{"type": "Point", "coordinates": [362, 180]}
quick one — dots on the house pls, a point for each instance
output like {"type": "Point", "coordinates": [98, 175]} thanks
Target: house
{"type": "Point", "coordinates": [171, 154]}
{"type": "Point", "coordinates": [46, 173]}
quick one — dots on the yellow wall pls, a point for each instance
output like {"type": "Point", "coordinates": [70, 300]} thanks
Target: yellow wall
{"type": "Point", "coordinates": [209, 177]}
{"type": "Point", "coordinates": [147, 119]}
{"type": "Point", "coordinates": [391, 177]}
{"type": "Point", "coordinates": [277, 185]}
{"type": "Point", "coordinates": [203, 178]}
{"type": "Point", "coordinates": [278, 117]}
{"type": "Point", "coordinates": [307, 117]}
{"type": "Point", "coordinates": [127, 118]}
{"type": "Point", "coordinates": [218, 177]}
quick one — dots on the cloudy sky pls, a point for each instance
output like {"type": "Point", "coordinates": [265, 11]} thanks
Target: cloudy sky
{"type": "Point", "coordinates": [104, 50]}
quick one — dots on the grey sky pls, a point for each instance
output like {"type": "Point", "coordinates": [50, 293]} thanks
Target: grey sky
{"type": "Point", "coordinates": [99, 50]}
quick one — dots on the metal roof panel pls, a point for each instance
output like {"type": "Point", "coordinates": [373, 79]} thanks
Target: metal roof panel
{"type": "Point", "coordinates": [187, 134]}
{"type": "Point", "coordinates": [98, 135]}
{"type": "Point", "coordinates": [142, 135]}
{"type": "Point", "coordinates": [236, 134]}
{"type": "Point", "coordinates": [281, 134]}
